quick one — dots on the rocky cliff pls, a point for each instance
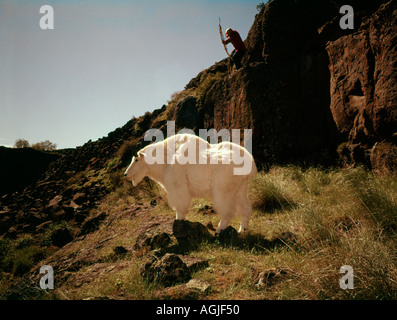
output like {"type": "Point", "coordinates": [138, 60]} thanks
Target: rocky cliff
{"type": "Point", "coordinates": [363, 87]}
{"type": "Point", "coordinates": [308, 86]}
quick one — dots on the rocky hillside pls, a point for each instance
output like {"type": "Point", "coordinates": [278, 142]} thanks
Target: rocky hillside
{"type": "Point", "coordinates": [21, 167]}
{"type": "Point", "coordinates": [310, 91]}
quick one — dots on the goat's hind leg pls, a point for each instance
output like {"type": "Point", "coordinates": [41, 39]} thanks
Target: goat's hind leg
{"type": "Point", "coordinates": [244, 208]}
{"type": "Point", "coordinates": [225, 207]}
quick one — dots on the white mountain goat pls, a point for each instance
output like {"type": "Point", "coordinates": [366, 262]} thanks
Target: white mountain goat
{"type": "Point", "coordinates": [187, 167]}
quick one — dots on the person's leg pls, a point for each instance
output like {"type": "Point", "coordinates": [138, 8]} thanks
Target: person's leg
{"type": "Point", "coordinates": [238, 55]}
{"type": "Point", "coordinates": [233, 55]}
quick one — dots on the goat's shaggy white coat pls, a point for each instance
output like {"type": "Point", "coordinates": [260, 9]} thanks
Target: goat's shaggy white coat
{"type": "Point", "coordinates": [185, 165]}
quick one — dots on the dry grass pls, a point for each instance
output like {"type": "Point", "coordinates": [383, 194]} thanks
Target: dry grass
{"type": "Point", "coordinates": [337, 217]}
{"type": "Point", "coordinates": [333, 218]}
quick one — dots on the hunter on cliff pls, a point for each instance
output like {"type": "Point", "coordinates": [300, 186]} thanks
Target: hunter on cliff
{"type": "Point", "coordinates": [239, 47]}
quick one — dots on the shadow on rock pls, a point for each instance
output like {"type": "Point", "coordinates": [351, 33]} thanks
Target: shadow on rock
{"type": "Point", "coordinates": [252, 241]}
{"type": "Point", "coordinates": [189, 236]}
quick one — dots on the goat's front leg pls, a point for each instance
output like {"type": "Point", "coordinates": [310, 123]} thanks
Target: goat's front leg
{"type": "Point", "coordinates": [180, 202]}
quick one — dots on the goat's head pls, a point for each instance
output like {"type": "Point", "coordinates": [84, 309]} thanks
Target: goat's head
{"type": "Point", "coordinates": [137, 170]}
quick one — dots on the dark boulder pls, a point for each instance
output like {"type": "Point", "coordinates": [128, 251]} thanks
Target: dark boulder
{"type": "Point", "coordinates": [21, 167]}
{"type": "Point", "coordinates": [228, 235]}
{"type": "Point", "coordinates": [152, 238]}
{"type": "Point", "coordinates": [61, 236]}
{"type": "Point", "coordinates": [169, 270]}
{"type": "Point", "coordinates": [187, 115]}
{"type": "Point", "coordinates": [189, 234]}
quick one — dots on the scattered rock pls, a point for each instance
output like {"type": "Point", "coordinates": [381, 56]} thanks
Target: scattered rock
{"type": "Point", "coordinates": [168, 270]}
{"type": "Point", "coordinates": [6, 221]}
{"type": "Point", "coordinates": [70, 210]}
{"type": "Point", "coordinates": [79, 216]}
{"type": "Point", "coordinates": [193, 290]}
{"type": "Point", "coordinates": [120, 251]}
{"type": "Point", "coordinates": [73, 205]}
{"type": "Point", "coordinates": [193, 264]}
{"type": "Point", "coordinates": [228, 235]}
{"type": "Point", "coordinates": [60, 215]}
{"type": "Point", "coordinates": [179, 292]}
{"type": "Point", "coordinates": [41, 227]}
{"type": "Point", "coordinates": [28, 228]}
{"type": "Point", "coordinates": [384, 158]}
{"type": "Point", "coordinates": [92, 224]}
{"type": "Point", "coordinates": [189, 234]}
{"type": "Point", "coordinates": [34, 218]}
{"type": "Point", "coordinates": [55, 201]}
{"type": "Point", "coordinates": [270, 277]}
{"type": "Point", "coordinates": [61, 236]}
{"type": "Point", "coordinates": [152, 238]}
{"type": "Point", "coordinates": [23, 289]}
{"type": "Point", "coordinates": [79, 198]}
{"type": "Point", "coordinates": [199, 285]}
{"type": "Point", "coordinates": [12, 233]}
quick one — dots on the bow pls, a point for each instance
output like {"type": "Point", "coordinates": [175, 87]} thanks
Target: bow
{"type": "Point", "coordinates": [222, 38]}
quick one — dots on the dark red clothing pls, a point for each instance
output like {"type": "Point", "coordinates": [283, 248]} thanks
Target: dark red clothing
{"type": "Point", "coordinates": [236, 41]}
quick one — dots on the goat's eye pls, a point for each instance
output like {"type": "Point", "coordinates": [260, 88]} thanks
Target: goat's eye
{"type": "Point", "coordinates": [136, 160]}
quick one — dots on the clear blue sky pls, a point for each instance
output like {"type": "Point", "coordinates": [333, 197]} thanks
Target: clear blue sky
{"type": "Point", "coordinates": [105, 61]}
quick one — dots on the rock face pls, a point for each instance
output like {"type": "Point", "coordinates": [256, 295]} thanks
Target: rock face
{"type": "Point", "coordinates": [186, 114]}
{"type": "Point", "coordinates": [363, 68]}
{"type": "Point", "coordinates": [282, 93]}
{"type": "Point", "coordinates": [307, 85]}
